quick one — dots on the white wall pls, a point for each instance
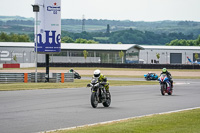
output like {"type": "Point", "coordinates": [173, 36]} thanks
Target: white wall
{"type": "Point", "coordinates": [150, 54]}
{"type": "Point", "coordinates": [26, 65]}
{"type": "Point", "coordinates": [23, 65]}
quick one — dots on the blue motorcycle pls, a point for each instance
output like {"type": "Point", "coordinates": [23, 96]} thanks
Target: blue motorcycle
{"type": "Point", "coordinates": [165, 85]}
{"type": "Point", "coordinates": [151, 76]}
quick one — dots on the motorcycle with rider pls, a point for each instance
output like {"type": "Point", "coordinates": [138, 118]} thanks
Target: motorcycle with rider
{"type": "Point", "coordinates": [166, 82]}
{"type": "Point", "coordinates": [76, 74]}
{"type": "Point", "coordinates": [99, 90]}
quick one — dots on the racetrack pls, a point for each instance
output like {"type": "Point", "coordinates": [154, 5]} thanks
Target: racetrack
{"type": "Point", "coordinates": [43, 110]}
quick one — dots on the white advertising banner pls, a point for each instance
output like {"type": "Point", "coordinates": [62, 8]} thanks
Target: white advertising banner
{"type": "Point", "coordinates": [48, 26]}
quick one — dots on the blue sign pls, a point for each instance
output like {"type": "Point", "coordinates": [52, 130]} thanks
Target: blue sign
{"type": "Point", "coordinates": [51, 44]}
{"type": "Point", "coordinates": [48, 36]}
{"type": "Point", "coordinates": [54, 9]}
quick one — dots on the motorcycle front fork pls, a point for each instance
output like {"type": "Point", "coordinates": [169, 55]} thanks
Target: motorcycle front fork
{"type": "Point", "coordinates": [168, 86]}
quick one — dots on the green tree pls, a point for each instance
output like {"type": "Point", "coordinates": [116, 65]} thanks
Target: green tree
{"type": "Point", "coordinates": [4, 37]}
{"type": "Point", "coordinates": [198, 41]}
{"type": "Point", "coordinates": [92, 42]}
{"type": "Point", "coordinates": [85, 54]}
{"type": "Point", "coordinates": [80, 40]}
{"type": "Point", "coordinates": [185, 42]}
{"type": "Point", "coordinates": [158, 56]}
{"type": "Point", "coordinates": [196, 56]}
{"type": "Point", "coordinates": [14, 37]}
{"type": "Point", "coordinates": [23, 38]}
{"type": "Point", "coordinates": [121, 55]}
{"type": "Point", "coordinates": [15, 58]}
{"type": "Point", "coordinates": [67, 39]}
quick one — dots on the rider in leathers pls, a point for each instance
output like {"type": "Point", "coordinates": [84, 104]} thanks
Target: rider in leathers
{"type": "Point", "coordinates": [164, 71]}
{"type": "Point", "coordinates": [102, 79]}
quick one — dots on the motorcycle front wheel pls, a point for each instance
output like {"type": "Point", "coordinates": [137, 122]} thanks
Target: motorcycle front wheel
{"type": "Point", "coordinates": [94, 99]}
{"type": "Point", "coordinates": [108, 101]}
{"type": "Point", "coordinates": [162, 90]}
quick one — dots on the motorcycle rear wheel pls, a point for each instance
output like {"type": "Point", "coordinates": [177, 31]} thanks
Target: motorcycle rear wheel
{"type": "Point", "coordinates": [170, 92]}
{"type": "Point", "coordinates": [107, 102]}
{"type": "Point", "coordinates": [93, 99]}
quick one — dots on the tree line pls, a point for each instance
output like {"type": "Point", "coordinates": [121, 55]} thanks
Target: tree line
{"type": "Point", "coordinates": [129, 36]}
{"type": "Point", "coordinates": [183, 42]}
{"type": "Point", "coordinates": [123, 37]}
{"type": "Point", "coordinates": [4, 37]}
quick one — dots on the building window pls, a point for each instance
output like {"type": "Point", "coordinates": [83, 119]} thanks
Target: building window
{"type": "Point", "coordinates": [132, 57]}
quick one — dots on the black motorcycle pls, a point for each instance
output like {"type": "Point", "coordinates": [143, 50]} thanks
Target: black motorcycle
{"type": "Point", "coordinates": [99, 94]}
{"type": "Point", "coordinates": [76, 75]}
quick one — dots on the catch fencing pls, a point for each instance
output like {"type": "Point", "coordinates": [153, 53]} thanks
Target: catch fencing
{"type": "Point", "coordinates": [114, 65]}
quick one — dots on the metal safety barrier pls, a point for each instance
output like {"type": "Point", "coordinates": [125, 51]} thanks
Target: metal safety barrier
{"type": "Point", "coordinates": [69, 77]}
{"type": "Point", "coordinates": [14, 77]}
{"type": "Point", "coordinates": [41, 77]}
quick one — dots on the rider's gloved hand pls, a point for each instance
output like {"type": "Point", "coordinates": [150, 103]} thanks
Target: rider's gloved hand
{"type": "Point", "coordinates": [88, 85]}
{"type": "Point", "coordinates": [103, 83]}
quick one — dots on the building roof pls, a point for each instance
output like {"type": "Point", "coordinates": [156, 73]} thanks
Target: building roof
{"type": "Point", "coordinates": [16, 44]}
{"type": "Point", "coordinates": [157, 47]}
{"type": "Point", "coordinates": [75, 46]}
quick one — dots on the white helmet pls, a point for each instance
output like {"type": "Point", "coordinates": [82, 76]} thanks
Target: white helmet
{"type": "Point", "coordinates": [97, 73]}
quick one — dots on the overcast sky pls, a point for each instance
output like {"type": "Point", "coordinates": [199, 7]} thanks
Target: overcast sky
{"type": "Point", "coordinates": [135, 10]}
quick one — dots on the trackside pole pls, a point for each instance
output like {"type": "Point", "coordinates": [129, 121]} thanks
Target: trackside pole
{"type": "Point", "coordinates": [47, 67]}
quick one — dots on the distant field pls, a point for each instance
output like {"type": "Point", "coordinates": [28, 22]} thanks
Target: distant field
{"type": "Point", "coordinates": [78, 28]}
{"type": "Point", "coordinates": [101, 38]}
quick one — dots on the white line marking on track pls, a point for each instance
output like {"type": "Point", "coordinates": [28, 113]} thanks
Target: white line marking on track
{"type": "Point", "coordinates": [106, 122]}
{"type": "Point", "coordinates": [182, 83]}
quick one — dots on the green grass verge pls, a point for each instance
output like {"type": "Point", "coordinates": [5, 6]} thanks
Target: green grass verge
{"type": "Point", "coordinates": [76, 84]}
{"type": "Point", "coordinates": [179, 122]}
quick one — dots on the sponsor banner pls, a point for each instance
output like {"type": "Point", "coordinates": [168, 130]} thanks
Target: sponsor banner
{"type": "Point", "coordinates": [48, 26]}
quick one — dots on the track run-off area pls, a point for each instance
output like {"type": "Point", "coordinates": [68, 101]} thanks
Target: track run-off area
{"type": "Point", "coordinates": [51, 109]}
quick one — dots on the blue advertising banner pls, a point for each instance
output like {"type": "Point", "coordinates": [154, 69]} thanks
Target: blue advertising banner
{"type": "Point", "coordinates": [48, 26]}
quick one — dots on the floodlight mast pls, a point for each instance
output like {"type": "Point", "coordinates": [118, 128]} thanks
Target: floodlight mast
{"type": "Point", "coordinates": [36, 9]}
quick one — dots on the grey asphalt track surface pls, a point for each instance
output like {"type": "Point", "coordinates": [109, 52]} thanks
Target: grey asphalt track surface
{"type": "Point", "coordinates": [43, 110]}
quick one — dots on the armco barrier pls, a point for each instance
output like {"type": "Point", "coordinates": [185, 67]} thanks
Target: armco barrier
{"type": "Point", "coordinates": [40, 77]}
{"type": "Point", "coordinates": [110, 65]}
{"type": "Point", "coordinates": [69, 77]}
{"type": "Point", "coordinates": [14, 77]}
{"type": "Point", "coordinates": [30, 77]}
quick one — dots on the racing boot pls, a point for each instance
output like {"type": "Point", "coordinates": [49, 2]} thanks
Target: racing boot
{"type": "Point", "coordinates": [172, 85]}
{"type": "Point", "coordinates": [107, 91]}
